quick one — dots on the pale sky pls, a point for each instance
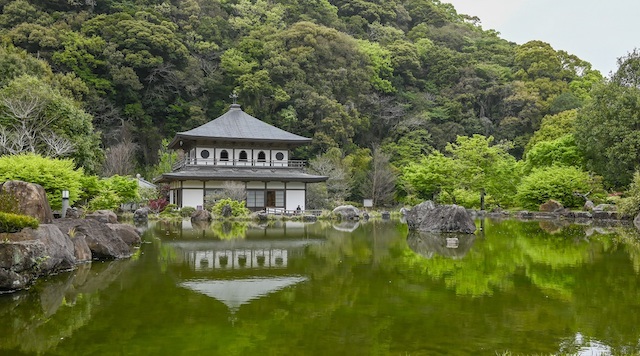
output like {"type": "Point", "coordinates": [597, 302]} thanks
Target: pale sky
{"type": "Point", "coordinates": [598, 31]}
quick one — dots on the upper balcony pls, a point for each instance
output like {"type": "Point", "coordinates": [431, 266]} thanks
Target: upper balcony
{"type": "Point", "coordinates": [211, 162]}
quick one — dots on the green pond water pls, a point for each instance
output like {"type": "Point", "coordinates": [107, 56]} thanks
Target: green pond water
{"type": "Point", "coordinates": [370, 288]}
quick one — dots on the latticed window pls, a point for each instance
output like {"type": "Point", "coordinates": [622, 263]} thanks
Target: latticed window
{"type": "Point", "coordinates": [262, 157]}
{"type": "Point", "coordinates": [243, 156]}
{"type": "Point", "coordinates": [255, 199]}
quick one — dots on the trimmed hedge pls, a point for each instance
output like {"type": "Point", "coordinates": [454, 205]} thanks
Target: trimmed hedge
{"type": "Point", "coordinates": [15, 222]}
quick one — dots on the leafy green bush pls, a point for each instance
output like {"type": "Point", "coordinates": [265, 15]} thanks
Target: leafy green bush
{"type": "Point", "coordinates": [114, 191]}
{"type": "Point", "coordinates": [238, 208]}
{"type": "Point", "coordinates": [15, 222]}
{"type": "Point", "coordinates": [187, 211]}
{"type": "Point", "coordinates": [629, 206]}
{"type": "Point", "coordinates": [106, 200]}
{"type": "Point", "coordinates": [556, 182]}
{"type": "Point", "coordinates": [53, 174]}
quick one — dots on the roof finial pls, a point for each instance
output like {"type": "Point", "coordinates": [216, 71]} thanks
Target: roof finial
{"type": "Point", "coordinates": [234, 96]}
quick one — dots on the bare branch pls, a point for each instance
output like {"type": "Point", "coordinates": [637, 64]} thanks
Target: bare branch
{"type": "Point", "coordinates": [56, 145]}
{"type": "Point", "coordinates": [120, 159]}
{"type": "Point", "coordinates": [23, 107]}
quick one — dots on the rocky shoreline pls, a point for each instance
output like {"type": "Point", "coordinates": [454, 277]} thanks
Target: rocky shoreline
{"type": "Point", "coordinates": [57, 245]}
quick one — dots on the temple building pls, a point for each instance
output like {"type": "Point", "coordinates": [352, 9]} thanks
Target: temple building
{"type": "Point", "coordinates": [237, 147]}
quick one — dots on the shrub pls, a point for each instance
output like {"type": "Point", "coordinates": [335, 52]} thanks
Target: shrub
{"type": "Point", "coordinates": [106, 200]}
{"type": "Point", "coordinates": [556, 182]}
{"type": "Point", "coordinates": [114, 191]}
{"type": "Point", "coordinates": [158, 205]}
{"type": "Point", "coordinates": [53, 174]}
{"type": "Point", "coordinates": [187, 211]}
{"type": "Point", "coordinates": [15, 222]}
{"type": "Point", "coordinates": [237, 208]}
{"type": "Point", "coordinates": [629, 206]}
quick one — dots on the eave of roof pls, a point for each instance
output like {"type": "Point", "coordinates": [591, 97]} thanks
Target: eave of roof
{"type": "Point", "coordinates": [278, 175]}
{"type": "Point", "coordinates": [238, 126]}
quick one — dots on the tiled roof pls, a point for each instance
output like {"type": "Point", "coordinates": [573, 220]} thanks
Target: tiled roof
{"type": "Point", "coordinates": [241, 174]}
{"type": "Point", "coordinates": [237, 125]}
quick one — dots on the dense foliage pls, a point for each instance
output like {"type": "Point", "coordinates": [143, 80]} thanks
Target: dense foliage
{"type": "Point", "coordinates": [556, 182]}
{"type": "Point", "coordinates": [114, 191]}
{"type": "Point", "coordinates": [238, 208]}
{"type": "Point", "coordinates": [54, 175]}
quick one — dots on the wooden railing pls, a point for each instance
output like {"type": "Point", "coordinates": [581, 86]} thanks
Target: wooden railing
{"type": "Point", "coordinates": [283, 211]}
{"type": "Point", "coordinates": [237, 163]}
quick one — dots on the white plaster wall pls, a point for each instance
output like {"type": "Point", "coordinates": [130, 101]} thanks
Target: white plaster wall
{"type": "Point", "coordinates": [214, 184]}
{"type": "Point", "coordinates": [192, 197]}
{"type": "Point", "coordinates": [281, 163]}
{"type": "Point", "coordinates": [295, 198]}
{"type": "Point", "coordinates": [275, 185]}
{"type": "Point", "coordinates": [255, 185]}
{"type": "Point", "coordinates": [295, 185]}
{"type": "Point", "coordinates": [192, 184]}
{"type": "Point", "coordinates": [204, 161]}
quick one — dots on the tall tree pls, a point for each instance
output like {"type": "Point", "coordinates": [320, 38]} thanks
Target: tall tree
{"type": "Point", "coordinates": [380, 182]}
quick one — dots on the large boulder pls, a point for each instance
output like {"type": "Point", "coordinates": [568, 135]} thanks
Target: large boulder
{"type": "Point", "coordinates": [31, 253]}
{"type": "Point", "coordinates": [226, 211]}
{"type": "Point", "coordinates": [201, 215]}
{"type": "Point", "coordinates": [415, 215]}
{"type": "Point", "coordinates": [588, 206]}
{"type": "Point", "coordinates": [347, 212]}
{"type": "Point", "coordinates": [103, 241]}
{"type": "Point", "coordinates": [19, 263]}
{"type": "Point", "coordinates": [127, 233]}
{"type": "Point", "coordinates": [550, 206]}
{"type": "Point", "coordinates": [59, 249]}
{"type": "Point", "coordinates": [429, 217]}
{"type": "Point", "coordinates": [103, 216]}
{"type": "Point", "coordinates": [58, 252]}
{"type": "Point", "coordinates": [31, 199]}
{"type": "Point", "coordinates": [81, 249]}
{"type": "Point", "coordinates": [604, 207]}
{"type": "Point", "coordinates": [141, 214]}
{"type": "Point", "coordinates": [636, 222]}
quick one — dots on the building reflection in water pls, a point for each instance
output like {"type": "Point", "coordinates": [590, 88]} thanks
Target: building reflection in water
{"type": "Point", "coordinates": [237, 272]}
{"type": "Point", "coordinates": [238, 258]}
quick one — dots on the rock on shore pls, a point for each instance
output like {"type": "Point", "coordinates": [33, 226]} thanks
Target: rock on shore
{"type": "Point", "coordinates": [429, 217]}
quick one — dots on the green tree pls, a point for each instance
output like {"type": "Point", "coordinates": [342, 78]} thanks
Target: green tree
{"type": "Point", "coordinates": [554, 127]}
{"type": "Point", "coordinates": [562, 151]}
{"type": "Point", "coordinates": [380, 181]}
{"type": "Point", "coordinates": [607, 132]}
{"type": "Point", "coordinates": [332, 165]}
{"type": "Point", "coordinates": [37, 118]}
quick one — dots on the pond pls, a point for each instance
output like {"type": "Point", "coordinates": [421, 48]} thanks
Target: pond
{"type": "Point", "coordinates": [368, 288]}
